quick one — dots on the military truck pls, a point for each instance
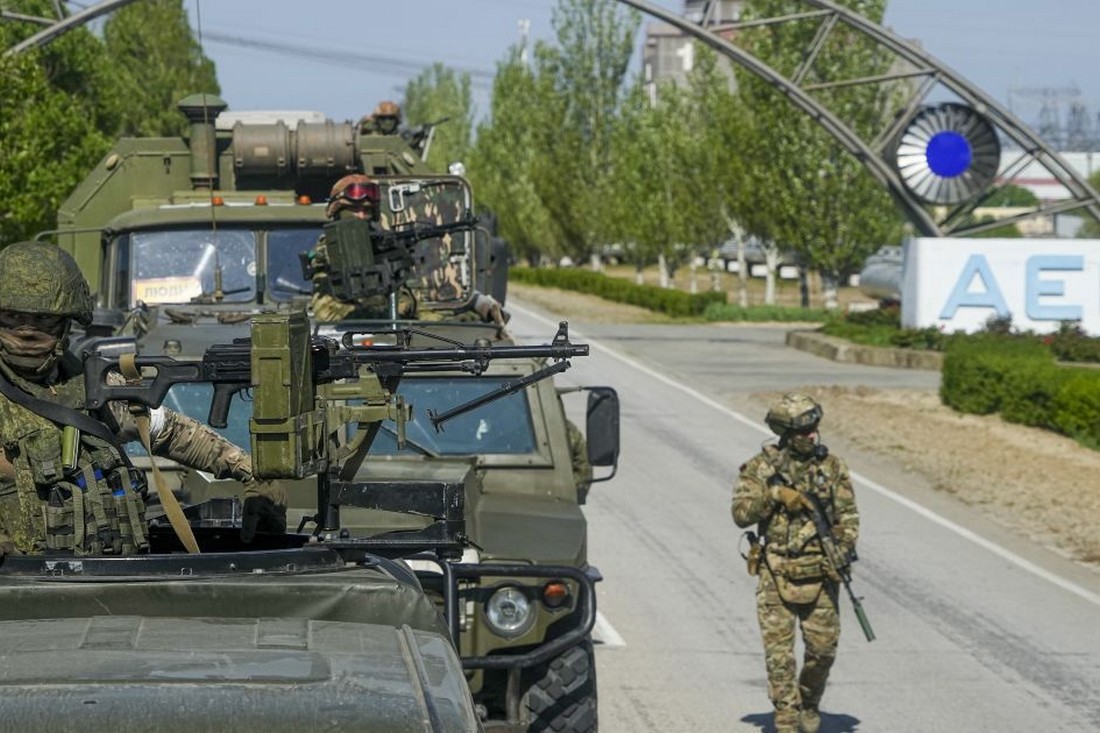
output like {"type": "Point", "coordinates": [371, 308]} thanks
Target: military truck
{"type": "Point", "coordinates": [183, 252]}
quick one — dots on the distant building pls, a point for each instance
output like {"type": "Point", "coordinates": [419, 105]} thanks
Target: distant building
{"type": "Point", "coordinates": [669, 54]}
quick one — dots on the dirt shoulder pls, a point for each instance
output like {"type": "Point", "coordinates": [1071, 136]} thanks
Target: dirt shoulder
{"type": "Point", "coordinates": [1032, 481]}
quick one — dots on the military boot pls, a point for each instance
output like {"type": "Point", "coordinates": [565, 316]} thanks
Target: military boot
{"type": "Point", "coordinates": [810, 720]}
{"type": "Point", "coordinates": [786, 721]}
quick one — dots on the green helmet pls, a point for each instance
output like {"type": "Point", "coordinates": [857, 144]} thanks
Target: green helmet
{"type": "Point", "coordinates": [41, 278]}
{"type": "Point", "coordinates": [793, 412]}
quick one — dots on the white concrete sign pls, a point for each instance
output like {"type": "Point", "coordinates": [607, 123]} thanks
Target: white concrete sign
{"type": "Point", "coordinates": [958, 284]}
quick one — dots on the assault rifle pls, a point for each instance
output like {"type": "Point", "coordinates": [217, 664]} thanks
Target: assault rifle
{"type": "Point", "coordinates": [365, 260]}
{"type": "Point", "coordinates": [841, 564]}
{"type": "Point", "coordinates": [305, 389]}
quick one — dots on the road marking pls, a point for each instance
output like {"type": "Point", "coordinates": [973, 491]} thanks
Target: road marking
{"type": "Point", "coordinates": [604, 634]}
{"type": "Point", "coordinates": [928, 514]}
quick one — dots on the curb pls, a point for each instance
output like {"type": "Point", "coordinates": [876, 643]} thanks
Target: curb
{"type": "Point", "coordinates": [839, 350]}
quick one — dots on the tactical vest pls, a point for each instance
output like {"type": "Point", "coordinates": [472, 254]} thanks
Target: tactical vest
{"type": "Point", "coordinates": [93, 506]}
{"type": "Point", "coordinates": [795, 535]}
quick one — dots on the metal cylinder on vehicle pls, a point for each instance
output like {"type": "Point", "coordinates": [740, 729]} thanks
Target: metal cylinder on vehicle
{"type": "Point", "coordinates": [325, 149]}
{"type": "Point", "coordinates": [201, 110]}
{"type": "Point", "coordinates": [262, 149]}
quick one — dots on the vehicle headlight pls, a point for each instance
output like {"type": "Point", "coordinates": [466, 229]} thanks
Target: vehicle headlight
{"type": "Point", "coordinates": [509, 612]}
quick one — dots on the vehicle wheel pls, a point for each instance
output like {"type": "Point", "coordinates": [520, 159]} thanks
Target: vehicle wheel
{"type": "Point", "coordinates": [561, 694]}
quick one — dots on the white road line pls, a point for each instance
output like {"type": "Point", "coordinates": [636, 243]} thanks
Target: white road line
{"type": "Point", "coordinates": [604, 634]}
{"type": "Point", "coordinates": [928, 514]}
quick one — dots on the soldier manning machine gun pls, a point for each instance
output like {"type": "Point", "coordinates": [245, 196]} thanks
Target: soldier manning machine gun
{"type": "Point", "coordinates": [302, 385]}
{"type": "Point", "coordinates": [363, 260]}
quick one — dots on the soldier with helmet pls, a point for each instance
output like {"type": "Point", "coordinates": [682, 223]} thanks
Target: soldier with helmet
{"type": "Point", "coordinates": [354, 196]}
{"type": "Point", "coordinates": [66, 484]}
{"type": "Point", "coordinates": [357, 196]}
{"type": "Point", "coordinates": [796, 586]}
{"type": "Point", "coordinates": [385, 120]}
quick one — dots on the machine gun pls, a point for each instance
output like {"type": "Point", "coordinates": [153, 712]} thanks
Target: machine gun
{"type": "Point", "coordinates": [842, 565]}
{"type": "Point", "coordinates": [363, 260]}
{"type": "Point", "coordinates": [306, 389]}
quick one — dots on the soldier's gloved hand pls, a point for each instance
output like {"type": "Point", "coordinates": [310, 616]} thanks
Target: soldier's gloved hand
{"type": "Point", "coordinates": [261, 514]}
{"type": "Point", "coordinates": [489, 309]}
{"type": "Point", "coordinates": [830, 572]}
{"type": "Point", "coordinates": [793, 500]}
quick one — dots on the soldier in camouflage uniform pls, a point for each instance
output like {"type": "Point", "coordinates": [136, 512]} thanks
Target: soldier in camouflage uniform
{"type": "Point", "coordinates": [62, 489]}
{"type": "Point", "coordinates": [353, 196]}
{"type": "Point", "coordinates": [796, 584]}
{"type": "Point", "coordinates": [357, 196]}
{"type": "Point", "coordinates": [385, 120]}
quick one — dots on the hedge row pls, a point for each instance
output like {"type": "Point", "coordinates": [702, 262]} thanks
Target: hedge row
{"type": "Point", "coordinates": [1019, 378]}
{"type": "Point", "coordinates": [671, 302]}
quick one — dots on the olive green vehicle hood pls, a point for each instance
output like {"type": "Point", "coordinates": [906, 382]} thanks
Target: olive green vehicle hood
{"type": "Point", "coordinates": [351, 650]}
{"type": "Point", "coordinates": [506, 527]}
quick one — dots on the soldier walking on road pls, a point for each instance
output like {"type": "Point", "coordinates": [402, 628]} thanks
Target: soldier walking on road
{"type": "Point", "coordinates": [775, 491]}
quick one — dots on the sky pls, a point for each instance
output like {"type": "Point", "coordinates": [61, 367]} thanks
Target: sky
{"type": "Point", "coordinates": [344, 57]}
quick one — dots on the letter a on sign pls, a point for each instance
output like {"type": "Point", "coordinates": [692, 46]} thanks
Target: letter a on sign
{"type": "Point", "coordinates": [962, 297]}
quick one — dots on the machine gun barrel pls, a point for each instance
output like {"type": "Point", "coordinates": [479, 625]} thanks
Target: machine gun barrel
{"type": "Point", "coordinates": [229, 367]}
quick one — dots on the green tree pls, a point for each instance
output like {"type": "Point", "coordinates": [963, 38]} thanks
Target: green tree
{"type": "Point", "coordinates": [160, 62]}
{"type": "Point", "coordinates": [824, 205]}
{"type": "Point", "coordinates": [55, 104]}
{"type": "Point", "coordinates": [579, 86]}
{"type": "Point", "coordinates": [438, 93]}
{"type": "Point", "coordinates": [500, 164]}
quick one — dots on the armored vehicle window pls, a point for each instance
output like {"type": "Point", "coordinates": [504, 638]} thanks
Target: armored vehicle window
{"type": "Point", "coordinates": [284, 268]}
{"type": "Point", "coordinates": [178, 265]}
{"type": "Point", "coordinates": [500, 427]}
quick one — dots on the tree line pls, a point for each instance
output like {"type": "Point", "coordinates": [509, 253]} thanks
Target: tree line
{"type": "Point", "coordinates": [62, 105]}
{"type": "Point", "coordinates": [576, 155]}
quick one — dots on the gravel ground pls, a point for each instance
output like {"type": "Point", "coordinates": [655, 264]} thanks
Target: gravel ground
{"type": "Point", "coordinates": [1033, 481]}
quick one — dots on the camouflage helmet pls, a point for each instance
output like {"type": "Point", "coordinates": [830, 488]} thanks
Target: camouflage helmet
{"type": "Point", "coordinates": [793, 412]}
{"type": "Point", "coordinates": [43, 279]}
{"type": "Point", "coordinates": [387, 109]}
{"type": "Point", "coordinates": [352, 190]}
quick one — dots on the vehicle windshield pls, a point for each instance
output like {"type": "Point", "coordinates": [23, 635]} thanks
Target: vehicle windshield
{"type": "Point", "coordinates": [500, 427]}
{"type": "Point", "coordinates": [177, 265]}
{"type": "Point", "coordinates": [284, 266]}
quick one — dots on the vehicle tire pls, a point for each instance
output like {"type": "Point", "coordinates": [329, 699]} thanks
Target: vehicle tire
{"type": "Point", "coordinates": [561, 694]}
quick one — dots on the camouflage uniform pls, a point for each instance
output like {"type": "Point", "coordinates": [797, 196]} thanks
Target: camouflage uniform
{"type": "Point", "coordinates": [96, 504]}
{"type": "Point", "coordinates": [578, 454]}
{"type": "Point", "coordinates": [794, 582]}
{"type": "Point", "coordinates": [327, 307]}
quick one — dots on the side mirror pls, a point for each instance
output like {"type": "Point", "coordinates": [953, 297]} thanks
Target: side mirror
{"type": "Point", "coordinates": [602, 429]}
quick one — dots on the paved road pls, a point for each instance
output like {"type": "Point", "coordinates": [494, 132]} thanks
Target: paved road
{"type": "Point", "coordinates": [976, 630]}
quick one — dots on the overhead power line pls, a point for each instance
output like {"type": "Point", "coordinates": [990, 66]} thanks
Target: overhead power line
{"type": "Point", "coordinates": [343, 58]}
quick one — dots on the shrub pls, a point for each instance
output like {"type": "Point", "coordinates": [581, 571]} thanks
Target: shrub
{"type": "Point", "coordinates": [1075, 407]}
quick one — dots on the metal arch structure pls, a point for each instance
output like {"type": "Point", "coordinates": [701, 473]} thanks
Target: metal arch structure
{"type": "Point", "coordinates": [54, 28]}
{"type": "Point", "coordinates": [928, 74]}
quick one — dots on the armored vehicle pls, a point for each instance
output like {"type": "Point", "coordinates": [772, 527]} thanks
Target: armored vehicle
{"type": "Point", "coordinates": [290, 632]}
{"type": "Point", "coordinates": [181, 263]}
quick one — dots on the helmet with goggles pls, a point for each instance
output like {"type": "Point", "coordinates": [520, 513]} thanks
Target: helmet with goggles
{"type": "Point", "coordinates": [353, 191]}
{"type": "Point", "coordinates": [794, 412]}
